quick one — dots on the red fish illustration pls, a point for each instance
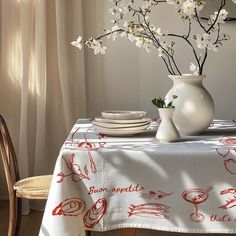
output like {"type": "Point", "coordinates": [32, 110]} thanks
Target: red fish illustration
{"type": "Point", "coordinates": [155, 195]}
{"type": "Point", "coordinates": [230, 202]}
{"type": "Point", "coordinates": [149, 209]}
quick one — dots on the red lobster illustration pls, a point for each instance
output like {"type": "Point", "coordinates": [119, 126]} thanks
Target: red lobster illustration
{"type": "Point", "coordinates": [87, 146]}
{"type": "Point", "coordinates": [75, 173]}
{"type": "Point", "coordinates": [149, 209]}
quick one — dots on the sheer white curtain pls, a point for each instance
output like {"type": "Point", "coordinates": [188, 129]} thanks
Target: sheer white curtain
{"type": "Point", "coordinates": [42, 79]}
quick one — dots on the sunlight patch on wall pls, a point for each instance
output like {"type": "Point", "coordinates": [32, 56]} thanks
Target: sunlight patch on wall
{"type": "Point", "coordinates": [15, 59]}
{"type": "Point", "coordinates": [15, 64]}
{"type": "Point", "coordinates": [32, 74]}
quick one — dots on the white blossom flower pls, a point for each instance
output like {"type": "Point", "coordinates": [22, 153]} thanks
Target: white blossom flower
{"type": "Point", "coordinates": [158, 32]}
{"type": "Point", "coordinates": [78, 43]}
{"type": "Point", "coordinates": [97, 47]}
{"type": "Point", "coordinates": [188, 7]}
{"type": "Point", "coordinates": [194, 69]}
{"type": "Point", "coordinates": [124, 34]}
{"type": "Point", "coordinates": [160, 52]}
{"type": "Point", "coordinates": [203, 41]}
{"type": "Point", "coordinates": [125, 24]}
{"type": "Point", "coordinates": [221, 18]}
{"type": "Point", "coordinates": [148, 4]}
{"type": "Point", "coordinates": [131, 37]}
{"type": "Point", "coordinates": [124, 8]}
{"type": "Point", "coordinates": [234, 1]}
{"type": "Point", "coordinates": [174, 3]}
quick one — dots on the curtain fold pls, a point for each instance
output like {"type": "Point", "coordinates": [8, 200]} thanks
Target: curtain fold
{"type": "Point", "coordinates": [42, 93]}
{"type": "Point", "coordinates": [63, 61]}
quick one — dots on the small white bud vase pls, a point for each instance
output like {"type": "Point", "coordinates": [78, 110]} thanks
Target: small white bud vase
{"type": "Point", "coordinates": [167, 131]}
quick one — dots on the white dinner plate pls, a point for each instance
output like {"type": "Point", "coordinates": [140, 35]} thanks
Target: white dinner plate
{"type": "Point", "coordinates": [123, 115]}
{"type": "Point", "coordinates": [101, 119]}
{"type": "Point", "coordinates": [118, 133]}
{"type": "Point", "coordinates": [119, 126]}
{"type": "Point", "coordinates": [137, 128]}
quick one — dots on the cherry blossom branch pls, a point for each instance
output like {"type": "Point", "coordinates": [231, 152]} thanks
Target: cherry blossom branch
{"type": "Point", "coordinates": [109, 33]}
{"type": "Point", "coordinates": [217, 17]}
{"type": "Point", "coordinates": [203, 62]}
{"type": "Point", "coordinates": [154, 37]}
{"type": "Point", "coordinates": [190, 44]}
{"type": "Point", "coordinates": [142, 32]}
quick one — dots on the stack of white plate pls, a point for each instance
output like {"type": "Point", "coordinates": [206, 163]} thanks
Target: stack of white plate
{"type": "Point", "coordinates": [121, 123]}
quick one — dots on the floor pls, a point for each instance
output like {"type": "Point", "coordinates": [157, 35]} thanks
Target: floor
{"type": "Point", "coordinates": [31, 224]}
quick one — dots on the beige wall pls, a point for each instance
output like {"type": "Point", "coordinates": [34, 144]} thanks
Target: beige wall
{"type": "Point", "coordinates": [128, 78]}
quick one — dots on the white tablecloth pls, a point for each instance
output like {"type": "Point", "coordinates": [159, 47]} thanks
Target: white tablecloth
{"type": "Point", "coordinates": [103, 183]}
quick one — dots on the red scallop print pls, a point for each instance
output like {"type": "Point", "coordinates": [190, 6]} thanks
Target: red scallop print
{"type": "Point", "coordinates": [69, 207]}
{"type": "Point", "coordinates": [95, 213]}
{"type": "Point", "coordinates": [230, 166]}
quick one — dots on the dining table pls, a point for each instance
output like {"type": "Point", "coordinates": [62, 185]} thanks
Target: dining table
{"type": "Point", "coordinates": [103, 183]}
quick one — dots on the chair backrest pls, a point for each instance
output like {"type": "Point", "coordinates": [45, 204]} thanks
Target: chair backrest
{"type": "Point", "coordinates": [8, 156]}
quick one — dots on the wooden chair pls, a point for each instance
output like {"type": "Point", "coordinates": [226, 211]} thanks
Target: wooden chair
{"type": "Point", "coordinates": [30, 188]}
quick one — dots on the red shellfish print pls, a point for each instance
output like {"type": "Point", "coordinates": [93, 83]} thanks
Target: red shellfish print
{"type": "Point", "coordinates": [94, 215]}
{"type": "Point", "coordinates": [69, 207]}
{"type": "Point", "coordinates": [229, 159]}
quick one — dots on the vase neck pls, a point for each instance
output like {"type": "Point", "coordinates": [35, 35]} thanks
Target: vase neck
{"type": "Point", "coordinates": [188, 79]}
{"type": "Point", "coordinates": [166, 113]}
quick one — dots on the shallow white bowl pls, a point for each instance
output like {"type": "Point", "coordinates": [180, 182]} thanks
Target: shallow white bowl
{"type": "Point", "coordinates": [119, 126]}
{"type": "Point", "coordinates": [123, 115]}
{"type": "Point", "coordinates": [118, 132]}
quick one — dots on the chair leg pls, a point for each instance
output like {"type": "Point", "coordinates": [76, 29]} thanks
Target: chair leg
{"type": "Point", "coordinates": [18, 216]}
{"type": "Point", "coordinates": [127, 232]}
{"type": "Point", "coordinates": [12, 214]}
{"type": "Point", "coordinates": [88, 233]}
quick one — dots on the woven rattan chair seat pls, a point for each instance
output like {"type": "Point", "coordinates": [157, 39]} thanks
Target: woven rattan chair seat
{"type": "Point", "coordinates": [34, 187]}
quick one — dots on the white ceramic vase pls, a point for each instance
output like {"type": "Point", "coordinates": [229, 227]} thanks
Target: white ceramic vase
{"type": "Point", "coordinates": [194, 107]}
{"type": "Point", "coordinates": [167, 132]}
